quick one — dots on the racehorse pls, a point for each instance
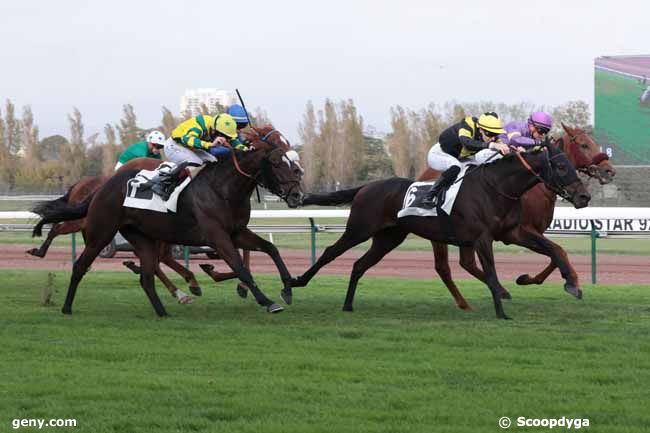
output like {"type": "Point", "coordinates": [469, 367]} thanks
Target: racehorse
{"type": "Point", "coordinates": [213, 210]}
{"type": "Point", "coordinates": [486, 205]}
{"type": "Point", "coordinates": [537, 205]}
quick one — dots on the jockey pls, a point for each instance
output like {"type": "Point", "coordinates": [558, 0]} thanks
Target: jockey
{"type": "Point", "coordinates": [148, 148]}
{"type": "Point", "coordinates": [465, 142]}
{"type": "Point", "coordinates": [527, 134]}
{"type": "Point", "coordinates": [197, 140]}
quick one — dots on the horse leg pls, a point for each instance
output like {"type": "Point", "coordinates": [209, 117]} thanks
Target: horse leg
{"type": "Point", "coordinates": [344, 243]}
{"type": "Point", "coordinates": [467, 260]}
{"type": "Point", "coordinates": [250, 241]}
{"type": "Point", "coordinates": [167, 258]}
{"type": "Point", "coordinates": [94, 242]}
{"type": "Point", "coordinates": [56, 230]}
{"type": "Point", "coordinates": [382, 243]}
{"type": "Point", "coordinates": [147, 251]}
{"type": "Point", "coordinates": [526, 279]}
{"type": "Point", "coordinates": [224, 246]}
{"type": "Point", "coordinates": [486, 256]}
{"type": "Point", "coordinates": [441, 255]}
{"type": "Point", "coordinates": [542, 245]}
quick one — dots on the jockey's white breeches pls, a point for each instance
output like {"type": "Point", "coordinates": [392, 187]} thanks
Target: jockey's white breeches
{"type": "Point", "coordinates": [440, 160]}
{"type": "Point", "coordinates": [177, 153]}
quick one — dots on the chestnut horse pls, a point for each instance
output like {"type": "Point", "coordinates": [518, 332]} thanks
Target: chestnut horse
{"type": "Point", "coordinates": [538, 205]}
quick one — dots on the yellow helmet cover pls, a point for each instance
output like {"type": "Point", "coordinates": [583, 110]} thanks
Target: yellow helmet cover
{"type": "Point", "coordinates": [225, 124]}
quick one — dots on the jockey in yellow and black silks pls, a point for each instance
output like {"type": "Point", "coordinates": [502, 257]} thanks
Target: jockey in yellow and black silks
{"type": "Point", "coordinates": [197, 140]}
{"type": "Point", "coordinates": [470, 141]}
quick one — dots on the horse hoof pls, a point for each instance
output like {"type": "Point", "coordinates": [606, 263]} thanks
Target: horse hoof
{"type": "Point", "coordinates": [506, 295]}
{"type": "Point", "coordinates": [196, 290]}
{"type": "Point", "coordinates": [506, 317]}
{"type": "Point", "coordinates": [185, 300]}
{"type": "Point", "coordinates": [242, 291]}
{"type": "Point", "coordinates": [573, 290]}
{"type": "Point", "coordinates": [348, 308]}
{"type": "Point", "coordinates": [524, 280]}
{"type": "Point", "coordinates": [66, 310]}
{"type": "Point", "coordinates": [287, 296]}
{"type": "Point", "coordinates": [33, 252]}
{"type": "Point", "coordinates": [274, 308]}
{"type": "Point", "coordinates": [207, 268]}
{"type": "Point", "coordinates": [465, 307]}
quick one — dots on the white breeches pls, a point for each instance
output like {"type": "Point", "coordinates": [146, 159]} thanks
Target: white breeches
{"type": "Point", "coordinates": [440, 160]}
{"type": "Point", "coordinates": [177, 153]}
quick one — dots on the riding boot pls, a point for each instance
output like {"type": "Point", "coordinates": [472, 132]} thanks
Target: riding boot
{"type": "Point", "coordinates": [446, 179]}
{"type": "Point", "coordinates": [164, 183]}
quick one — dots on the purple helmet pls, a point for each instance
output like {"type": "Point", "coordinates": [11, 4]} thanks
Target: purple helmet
{"type": "Point", "coordinates": [541, 120]}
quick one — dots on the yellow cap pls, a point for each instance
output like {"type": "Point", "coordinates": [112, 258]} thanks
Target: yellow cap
{"type": "Point", "coordinates": [225, 124]}
{"type": "Point", "coordinates": [491, 123]}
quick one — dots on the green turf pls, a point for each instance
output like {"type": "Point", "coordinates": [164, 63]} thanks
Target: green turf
{"type": "Point", "coordinates": [406, 361]}
{"type": "Point", "coordinates": [620, 120]}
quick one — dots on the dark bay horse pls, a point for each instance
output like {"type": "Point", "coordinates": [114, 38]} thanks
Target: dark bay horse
{"type": "Point", "coordinates": [484, 206]}
{"type": "Point", "coordinates": [87, 186]}
{"type": "Point", "coordinates": [537, 205]}
{"type": "Point", "coordinates": [214, 210]}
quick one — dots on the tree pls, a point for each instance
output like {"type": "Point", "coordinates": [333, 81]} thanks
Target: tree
{"type": "Point", "coordinates": [12, 129]}
{"type": "Point", "coordinates": [399, 143]}
{"type": "Point", "coordinates": [52, 146]}
{"type": "Point", "coordinates": [109, 150]}
{"type": "Point", "coordinates": [128, 127]}
{"type": "Point", "coordinates": [73, 156]}
{"type": "Point", "coordinates": [573, 114]}
{"type": "Point", "coordinates": [168, 122]}
{"type": "Point", "coordinates": [310, 157]}
{"type": "Point", "coordinates": [30, 137]}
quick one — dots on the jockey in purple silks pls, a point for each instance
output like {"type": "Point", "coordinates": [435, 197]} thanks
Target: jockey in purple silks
{"type": "Point", "coordinates": [528, 133]}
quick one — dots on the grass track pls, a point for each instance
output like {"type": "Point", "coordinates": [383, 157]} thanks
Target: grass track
{"type": "Point", "coordinates": [406, 361]}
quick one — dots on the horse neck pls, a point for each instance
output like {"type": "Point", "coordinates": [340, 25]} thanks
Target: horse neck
{"type": "Point", "coordinates": [228, 182]}
{"type": "Point", "coordinates": [514, 179]}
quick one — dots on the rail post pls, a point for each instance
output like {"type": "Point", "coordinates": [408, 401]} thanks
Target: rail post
{"type": "Point", "coordinates": [594, 235]}
{"type": "Point", "coordinates": [74, 247]}
{"type": "Point", "coordinates": [186, 256]}
{"type": "Point", "coordinates": [313, 240]}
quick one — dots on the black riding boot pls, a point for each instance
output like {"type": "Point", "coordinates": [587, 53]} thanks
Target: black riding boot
{"type": "Point", "coordinates": [163, 184]}
{"type": "Point", "coordinates": [445, 180]}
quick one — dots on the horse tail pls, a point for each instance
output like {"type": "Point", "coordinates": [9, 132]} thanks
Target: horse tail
{"type": "Point", "coordinates": [333, 198]}
{"type": "Point", "coordinates": [58, 210]}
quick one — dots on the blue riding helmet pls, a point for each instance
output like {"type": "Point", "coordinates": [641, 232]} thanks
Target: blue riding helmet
{"type": "Point", "coordinates": [239, 114]}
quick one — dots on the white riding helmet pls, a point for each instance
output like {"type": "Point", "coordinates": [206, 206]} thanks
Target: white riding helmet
{"type": "Point", "coordinates": [156, 137]}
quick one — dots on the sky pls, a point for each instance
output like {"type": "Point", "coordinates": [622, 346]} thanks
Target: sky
{"type": "Point", "coordinates": [99, 55]}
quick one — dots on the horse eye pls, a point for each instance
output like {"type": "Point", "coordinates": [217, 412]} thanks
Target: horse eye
{"type": "Point", "coordinates": [584, 146]}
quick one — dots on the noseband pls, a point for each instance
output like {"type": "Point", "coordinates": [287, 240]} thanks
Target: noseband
{"type": "Point", "coordinates": [582, 163]}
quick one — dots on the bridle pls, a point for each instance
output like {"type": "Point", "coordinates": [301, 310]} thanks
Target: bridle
{"type": "Point", "coordinates": [582, 163]}
{"type": "Point", "coordinates": [256, 178]}
{"type": "Point", "coordinates": [548, 173]}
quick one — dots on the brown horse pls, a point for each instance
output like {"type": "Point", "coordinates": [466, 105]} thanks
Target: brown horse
{"type": "Point", "coordinates": [87, 186]}
{"type": "Point", "coordinates": [538, 205]}
{"type": "Point", "coordinates": [487, 204]}
{"type": "Point", "coordinates": [214, 210]}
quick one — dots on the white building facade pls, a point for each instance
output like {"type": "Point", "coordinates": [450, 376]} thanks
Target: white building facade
{"type": "Point", "coordinates": [193, 98]}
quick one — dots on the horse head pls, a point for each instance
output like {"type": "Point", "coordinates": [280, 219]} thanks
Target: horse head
{"type": "Point", "coordinates": [552, 166]}
{"type": "Point", "coordinates": [585, 154]}
{"type": "Point", "coordinates": [277, 167]}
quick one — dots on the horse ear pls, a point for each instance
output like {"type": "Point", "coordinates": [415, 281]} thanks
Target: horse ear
{"type": "Point", "coordinates": [567, 129]}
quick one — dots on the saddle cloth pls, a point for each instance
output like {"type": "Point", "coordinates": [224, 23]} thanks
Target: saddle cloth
{"type": "Point", "coordinates": [412, 205]}
{"type": "Point", "coordinates": [145, 198]}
